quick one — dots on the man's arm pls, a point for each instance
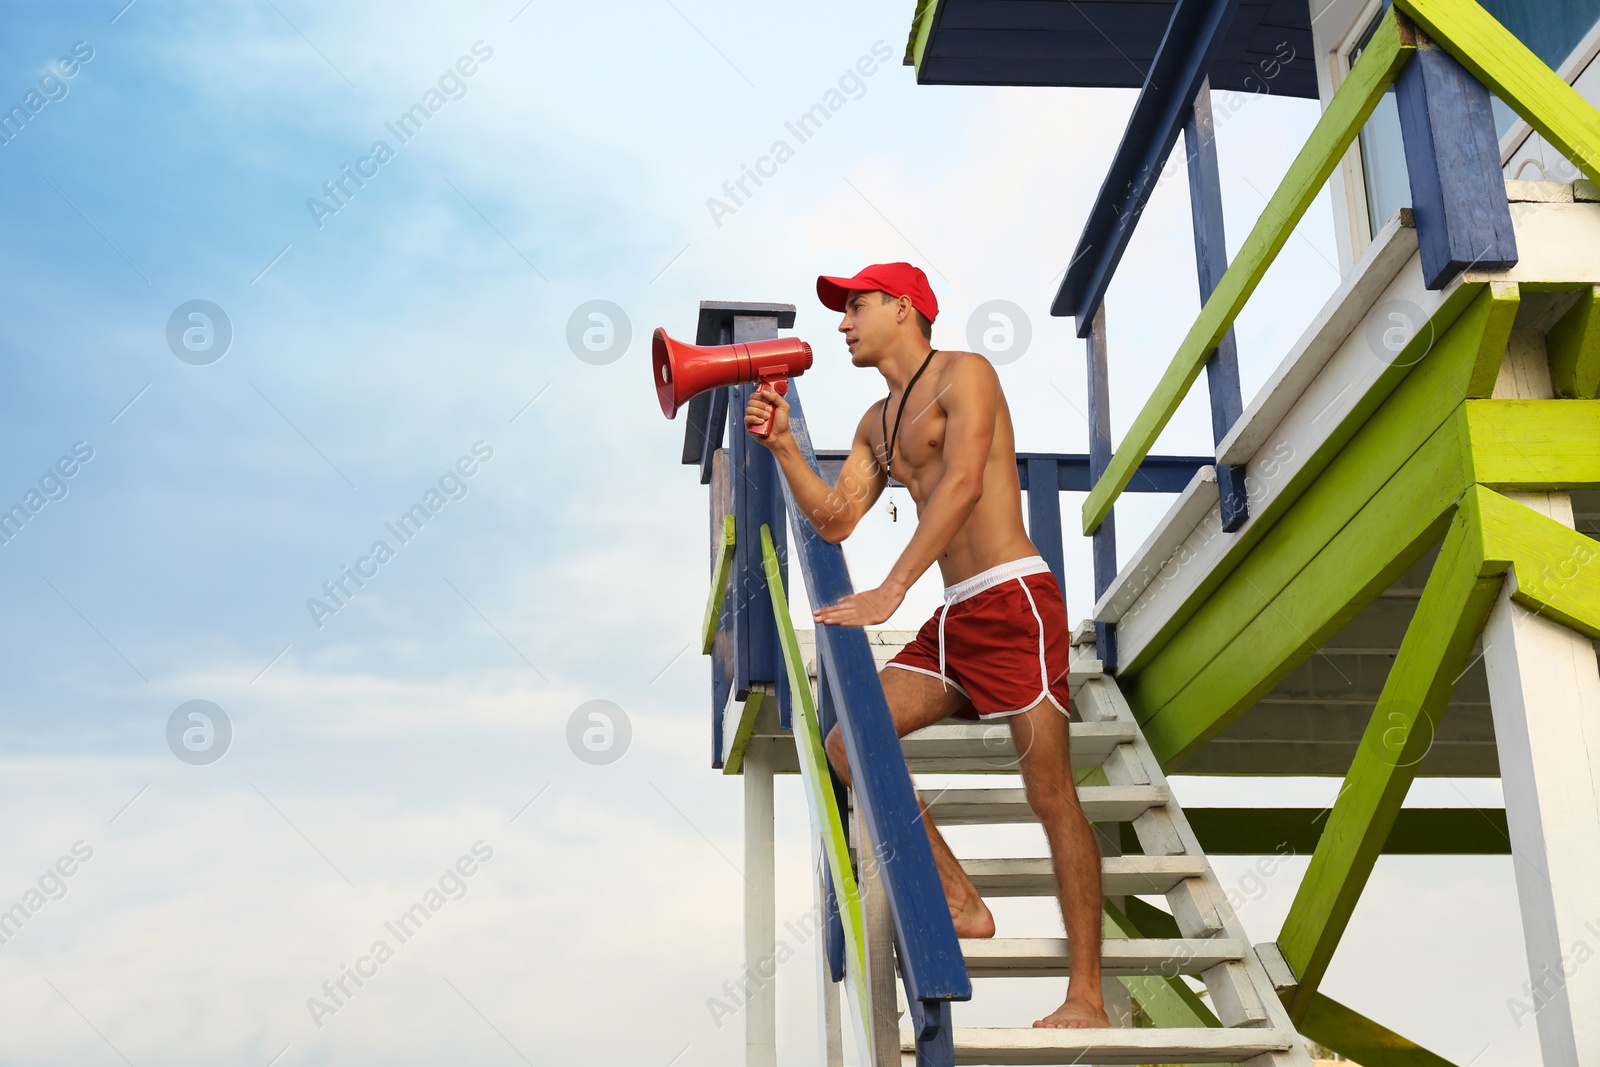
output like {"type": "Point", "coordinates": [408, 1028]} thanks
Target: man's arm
{"type": "Point", "coordinates": [970, 396]}
{"type": "Point", "coordinates": [835, 510]}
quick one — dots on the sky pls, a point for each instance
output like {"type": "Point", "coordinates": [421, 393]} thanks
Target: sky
{"type": "Point", "coordinates": [252, 373]}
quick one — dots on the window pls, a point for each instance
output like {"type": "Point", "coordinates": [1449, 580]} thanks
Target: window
{"type": "Point", "coordinates": [1550, 30]}
{"type": "Point", "coordinates": [1383, 156]}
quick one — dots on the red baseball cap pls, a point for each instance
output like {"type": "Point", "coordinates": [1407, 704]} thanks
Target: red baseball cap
{"type": "Point", "coordinates": [896, 279]}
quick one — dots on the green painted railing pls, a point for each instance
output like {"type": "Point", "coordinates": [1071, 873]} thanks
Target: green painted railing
{"type": "Point", "coordinates": [719, 586]}
{"type": "Point", "coordinates": [827, 821]}
{"type": "Point", "coordinates": [1482, 46]}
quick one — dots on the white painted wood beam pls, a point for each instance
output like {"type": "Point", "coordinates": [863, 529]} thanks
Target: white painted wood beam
{"type": "Point", "coordinates": [760, 908]}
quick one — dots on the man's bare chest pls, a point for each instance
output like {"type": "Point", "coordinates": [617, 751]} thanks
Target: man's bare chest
{"type": "Point", "coordinates": [918, 446]}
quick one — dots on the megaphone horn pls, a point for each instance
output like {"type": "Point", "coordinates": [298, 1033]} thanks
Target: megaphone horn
{"type": "Point", "coordinates": [684, 371]}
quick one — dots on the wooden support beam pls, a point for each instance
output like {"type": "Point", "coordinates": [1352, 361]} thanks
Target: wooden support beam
{"type": "Point", "coordinates": [1458, 193]}
{"type": "Point", "coordinates": [1558, 569]}
{"type": "Point", "coordinates": [880, 1018]}
{"type": "Point", "coordinates": [760, 914]}
{"type": "Point", "coordinates": [1432, 656]}
{"type": "Point", "coordinates": [1360, 1040]}
{"type": "Point", "coordinates": [1544, 693]}
{"type": "Point", "coordinates": [1296, 831]}
{"type": "Point", "coordinates": [830, 1032]}
{"type": "Point", "coordinates": [1544, 687]}
{"type": "Point", "coordinates": [750, 712]}
{"type": "Point", "coordinates": [1329, 140]}
{"type": "Point", "coordinates": [1574, 344]}
{"type": "Point", "coordinates": [1533, 445]}
{"type": "Point", "coordinates": [1165, 1000]}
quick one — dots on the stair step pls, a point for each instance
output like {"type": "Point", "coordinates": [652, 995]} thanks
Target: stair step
{"type": "Point", "coordinates": [1034, 957]}
{"type": "Point", "coordinates": [1119, 875]}
{"type": "Point", "coordinates": [982, 807]}
{"type": "Point", "coordinates": [953, 747]}
{"type": "Point", "coordinates": [1026, 1045]}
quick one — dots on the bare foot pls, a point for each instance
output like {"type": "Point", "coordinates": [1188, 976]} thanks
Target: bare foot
{"type": "Point", "coordinates": [1076, 1015]}
{"type": "Point", "coordinates": [973, 920]}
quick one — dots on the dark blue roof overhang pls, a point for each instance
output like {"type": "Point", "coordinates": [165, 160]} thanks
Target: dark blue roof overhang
{"type": "Point", "coordinates": [1103, 44]}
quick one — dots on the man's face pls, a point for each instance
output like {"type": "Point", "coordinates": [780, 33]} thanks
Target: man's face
{"type": "Point", "coordinates": [869, 325]}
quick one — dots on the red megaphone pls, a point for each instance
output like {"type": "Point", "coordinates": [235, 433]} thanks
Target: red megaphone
{"type": "Point", "coordinates": [682, 371]}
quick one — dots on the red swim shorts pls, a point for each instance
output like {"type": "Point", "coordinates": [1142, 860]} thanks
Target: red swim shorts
{"type": "Point", "coordinates": [1001, 640]}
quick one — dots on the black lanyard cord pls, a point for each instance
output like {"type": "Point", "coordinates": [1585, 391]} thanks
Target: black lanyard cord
{"type": "Point", "coordinates": [883, 415]}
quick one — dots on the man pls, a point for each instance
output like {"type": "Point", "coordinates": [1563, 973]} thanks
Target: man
{"type": "Point", "coordinates": [998, 648]}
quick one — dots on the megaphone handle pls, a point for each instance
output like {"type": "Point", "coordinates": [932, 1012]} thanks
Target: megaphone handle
{"type": "Point", "coordinates": [778, 385]}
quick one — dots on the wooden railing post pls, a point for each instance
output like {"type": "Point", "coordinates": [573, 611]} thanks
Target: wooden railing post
{"type": "Point", "coordinates": [1044, 515]}
{"type": "Point", "coordinates": [760, 908]}
{"type": "Point", "coordinates": [1211, 262]}
{"type": "Point", "coordinates": [1105, 536]}
{"type": "Point", "coordinates": [1458, 191]}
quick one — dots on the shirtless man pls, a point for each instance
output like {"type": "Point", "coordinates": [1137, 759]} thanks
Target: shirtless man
{"type": "Point", "coordinates": [998, 648]}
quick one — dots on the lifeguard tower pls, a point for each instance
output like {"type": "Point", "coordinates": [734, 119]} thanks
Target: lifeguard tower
{"type": "Point", "coordinates": [1386, 569]}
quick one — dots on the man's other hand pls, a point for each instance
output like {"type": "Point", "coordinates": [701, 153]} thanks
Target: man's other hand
{"type": "Point", "coordinates": [764, 402]}
{"type": "Point", "coordinates": [861, 609]}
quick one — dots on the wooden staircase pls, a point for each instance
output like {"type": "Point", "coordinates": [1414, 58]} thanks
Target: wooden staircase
{"type": "Point", "coordinates": [1123, 783]}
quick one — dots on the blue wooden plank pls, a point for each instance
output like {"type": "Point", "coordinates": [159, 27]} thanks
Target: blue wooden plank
{"type": "Point", "coordinates": [1211, 262]}
{"type": "Point", "coordinates": [930, 960]}
{"type": "Point", "coordinates": [930, 1027]}
{"type": "Point", "coordinates": [1458, 192]}
{"type": "Point", "coordinates": [1104, 543]}
{"type": "Point", "coordinates": [746, 580]}
{"type": "Point", "coordinates": [1233, 502]}
{"type": "Point", "coordinates": [1157, 474]}
{"type": "Point", "coordinates": [756, 502]}
{"type": "Point", "coordinates": [712, 429]}
{"type": "Point", "coordinates": [722, 644]}
{"type": "Point", "coordinates": [1044, 516]}
{"type": "Point", "coordinates": [1193, 35]}
{"type": "Point", "coordinates": [1211, 256]}
{"type": "Point", "coordinates": [694, 432]}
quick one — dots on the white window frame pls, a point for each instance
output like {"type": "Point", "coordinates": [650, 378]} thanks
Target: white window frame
{"type": "Point", "coordinates": [1336, 29]}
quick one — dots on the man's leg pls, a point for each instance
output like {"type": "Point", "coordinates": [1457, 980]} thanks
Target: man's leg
{"type": "Point", "coordinates": [918, 700]}
{"type": "Point", "coordinates": [1041, 737]}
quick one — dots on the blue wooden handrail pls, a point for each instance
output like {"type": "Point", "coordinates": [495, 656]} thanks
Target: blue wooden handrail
{"type": "Point", "coordinates": [931, 965]}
